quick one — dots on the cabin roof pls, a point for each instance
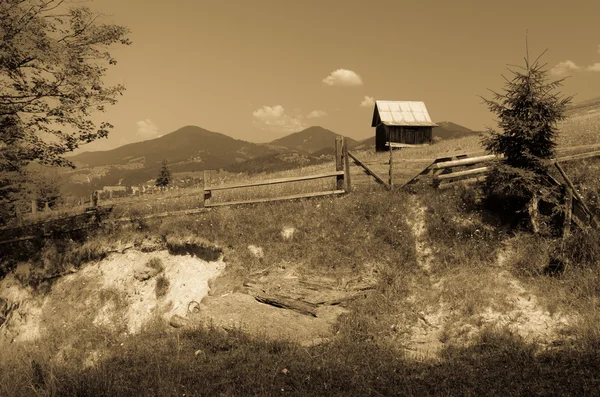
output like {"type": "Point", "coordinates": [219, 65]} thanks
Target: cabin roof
{"type": "Point", "coordinates": [401, 113]}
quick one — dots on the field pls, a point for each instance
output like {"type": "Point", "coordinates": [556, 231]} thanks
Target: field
{"type": "Point", "coordinates": [379, 293]}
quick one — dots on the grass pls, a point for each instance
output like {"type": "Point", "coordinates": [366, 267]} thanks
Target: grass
{"type": "Point", "coordinates": [367, 232]}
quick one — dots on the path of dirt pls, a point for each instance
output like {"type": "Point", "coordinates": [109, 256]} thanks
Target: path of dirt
{"type": "Point", "coordinates": [513, 306]}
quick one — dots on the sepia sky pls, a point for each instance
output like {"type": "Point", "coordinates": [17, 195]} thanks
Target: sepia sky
{"type": "Point", "coordinates": [258, 70]}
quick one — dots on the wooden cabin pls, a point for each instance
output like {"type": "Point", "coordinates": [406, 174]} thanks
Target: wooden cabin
{"type": "Point", "coordinates": [403, 123]}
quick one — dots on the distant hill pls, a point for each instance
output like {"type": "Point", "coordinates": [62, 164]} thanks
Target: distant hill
{"type": "Point", "coordinates": [310, 140]}
{"type": "Point", "coordinates": [276, 162]}
{"type": "Point", "coordinates": [445, 130]}
{"type": "Point", "coordinates": [450, 130]}
{"type": "Point", "coordinates": [187, 149]}
{"type": "Point", "coordinates": [186, 144]}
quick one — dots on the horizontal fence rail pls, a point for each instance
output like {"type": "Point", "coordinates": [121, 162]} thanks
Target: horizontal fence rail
{"type": "Point", "coordinates": [275, 181]}
{"type": "Point", "coordinates": [341, 175]}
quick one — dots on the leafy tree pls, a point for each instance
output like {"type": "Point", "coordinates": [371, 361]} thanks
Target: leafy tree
{"type": "Point", "coordinates": [52, 62]}
{"type": "Point", "coordinates": [164, 176]}
{"type": "Point", "coordinates": [528, 112]}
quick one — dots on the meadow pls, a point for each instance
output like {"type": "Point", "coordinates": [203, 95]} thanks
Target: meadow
{"type": "Point", "coordinates": [463, 303]}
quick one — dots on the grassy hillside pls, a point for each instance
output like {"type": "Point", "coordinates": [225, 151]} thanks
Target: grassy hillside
{"type": "Point", "coordinates": [582, 126]}
{"type": "Point", "coordinates": [456, 299]}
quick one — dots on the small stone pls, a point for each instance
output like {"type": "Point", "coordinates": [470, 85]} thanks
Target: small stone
{"type": "Point", "coordinates": [257, 252]}
{"type": "Point", "coordinates": [287, 233]}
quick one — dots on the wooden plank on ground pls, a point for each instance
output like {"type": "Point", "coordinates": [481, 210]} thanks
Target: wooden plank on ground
{"type": "Point", "coordinates": [459, 174]}
{"type": "Point", "coordinates": [275, 181]}
{"type": "Point", "coordinates": [281, 198]}
{"type": "Point", "coordinates": [284, 302]}
{"type": "Point", "coordinates": [467, 161]}
{"type": "Point", "coordinates": [368, 170]}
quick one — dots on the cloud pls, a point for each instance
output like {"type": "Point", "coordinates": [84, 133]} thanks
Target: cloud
{"type": "Point", "coordinates": [275, 118]}
{"type": "Point", "coordinates": [564, 67]}
{"type": "Point", "coordinates": [343, 77]}
{"type": "Point", "coordinates": [368, 102]}
{"type": "Point", "coordinates": [147, 129]}
{"type": "Point", "coordinates": [316, 114]}
{"type": "Point", "coordinates": [594, 68]}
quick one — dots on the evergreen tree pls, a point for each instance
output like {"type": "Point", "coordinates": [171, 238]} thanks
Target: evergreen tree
{"type": "Point", "coordinates": [528, 112]}
{"type": "Point", "coordinates": [164, 176]}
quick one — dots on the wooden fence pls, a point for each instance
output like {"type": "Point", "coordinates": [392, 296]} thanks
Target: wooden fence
{"type": "Point", "coordinates": [446, 171]}
{"type": "Point", "coordinates": [341, 174]}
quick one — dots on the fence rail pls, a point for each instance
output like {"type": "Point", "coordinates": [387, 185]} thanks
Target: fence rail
{"type": "Point", "coordinates": [341, 174]}
{"type": "Point", "coordinates": [368, 170]}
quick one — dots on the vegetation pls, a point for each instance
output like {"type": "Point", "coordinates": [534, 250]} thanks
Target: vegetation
{"type": "Point", "coordinates": [164, 177]}
{"type": "Point", "coordinates": [528, 113]}
{"type": "Point", "coordinates": [52, 67]}
{"type": "Point", "coordinates": [364, 358]}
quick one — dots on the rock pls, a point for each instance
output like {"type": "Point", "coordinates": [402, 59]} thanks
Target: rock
{"type": "Point", "coordinates": [287, 233]}
{"type": "Point", "coordinates": [199, 353]}
{"type": "Point", "coordinates": [257, 252]}
{"type": "Point", "coordinates": [142, 272]}
{"type": "Point", "coordinates": [177, 321]}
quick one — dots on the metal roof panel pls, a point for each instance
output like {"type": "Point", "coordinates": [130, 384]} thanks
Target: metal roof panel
{"type": "Point", "coordinates": [402, 113]}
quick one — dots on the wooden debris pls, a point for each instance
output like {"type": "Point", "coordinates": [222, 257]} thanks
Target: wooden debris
{"type": "Point", "coordinates": [568, 214]}
{"type": "Point", "coordinates": [288, 303]}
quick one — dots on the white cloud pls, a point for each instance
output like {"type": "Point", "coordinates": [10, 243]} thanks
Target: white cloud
{"type": "Point", "coordinates": [564, 67]}
{"type": "Point", "coordinates": [147, 129]}
{"type": "Point", "coordinates": [343, 77]}
{"type": "Point", "coordinates": [316, 114]}
{"type": "Point", "coordinates": [368, 102]}
{"type": "Point", "coordinates": [594, 68]}
{"type": "Point", "coordinates": [275, 118]}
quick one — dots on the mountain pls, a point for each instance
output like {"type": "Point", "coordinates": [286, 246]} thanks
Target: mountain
{"type": "Point", "coordinates": [450, 130]}
{"type": "Point", "coordinates": [187, 149]}
{"type": "Point", "coordinates": [187, 144]}
{"type": "Point", "coordinates": [310, 140]}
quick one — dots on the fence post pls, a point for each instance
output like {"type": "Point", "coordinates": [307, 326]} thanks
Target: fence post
{"type": "Point", "coordinates": [391, 166]}
{"type": "Point", "coordinates": [339, 164]}
{"type": "Point", "coordinates": [95, 199]}
{"type": "Point", "coordinates": [346, 159]}
{"type": "Point", "coordinates": [207, 193]}
{"type": "Point", "coordinates": [46, 207]}
{"type": "Point", "coordinates": [33, 207]}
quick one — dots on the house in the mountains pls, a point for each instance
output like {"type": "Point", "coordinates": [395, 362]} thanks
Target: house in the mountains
{"type": "Point", "coordinates": [402, 123]}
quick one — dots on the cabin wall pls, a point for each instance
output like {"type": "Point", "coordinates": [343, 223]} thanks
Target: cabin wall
{"type": "Point", "coordinates": [409, 135]}
{"type": "Point", "coordinates": [381, 138]}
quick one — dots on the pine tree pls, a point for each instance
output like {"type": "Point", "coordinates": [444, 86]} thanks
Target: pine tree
{"type": "Point", "coordinates": [164, 176]}
{"type": "Point", "coordinates": [528, 112]}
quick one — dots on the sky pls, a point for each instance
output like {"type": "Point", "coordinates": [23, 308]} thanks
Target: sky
{"type": "Point", "coordinates": [258, 70]}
